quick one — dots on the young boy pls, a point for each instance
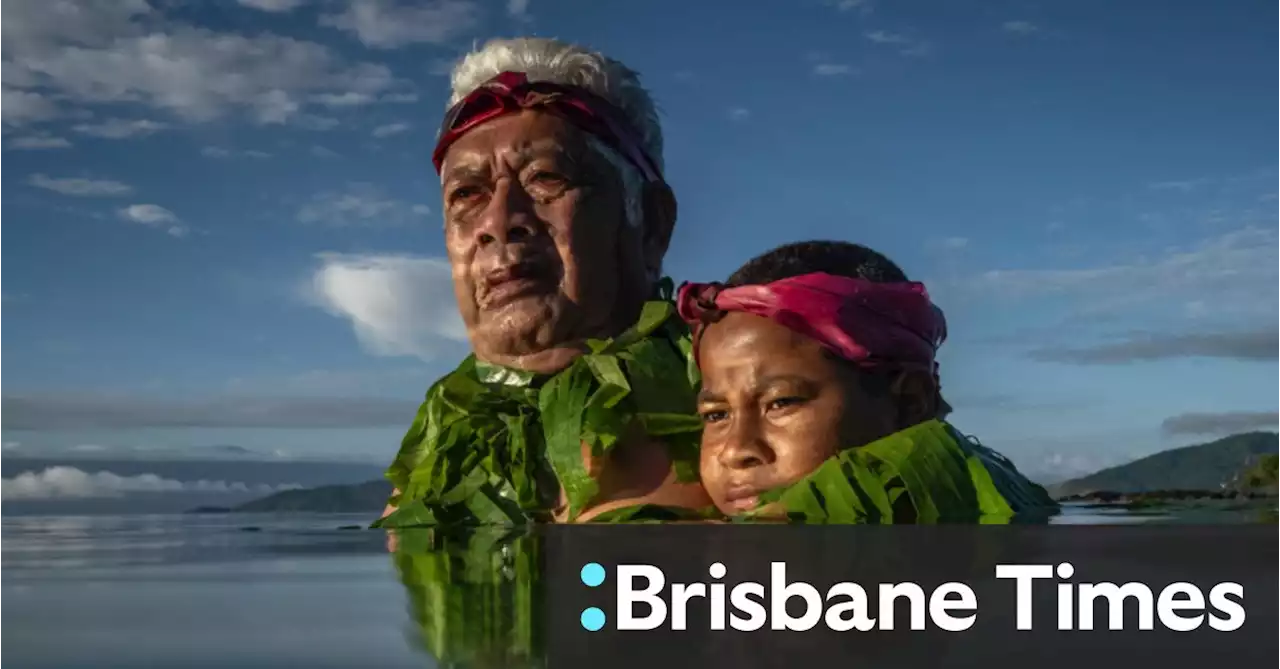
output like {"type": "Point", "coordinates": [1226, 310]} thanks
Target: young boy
{"type": "Point", "coordinates": [816, 348]}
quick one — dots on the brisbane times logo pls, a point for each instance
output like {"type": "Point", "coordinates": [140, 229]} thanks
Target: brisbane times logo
{"type": "Point", "coordinates": [645, 602]}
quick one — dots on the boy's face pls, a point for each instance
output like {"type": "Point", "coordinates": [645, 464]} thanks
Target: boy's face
{"type": "Point", "coordinates": [775, 406]}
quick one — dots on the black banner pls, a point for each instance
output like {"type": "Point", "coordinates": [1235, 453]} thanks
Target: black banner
{"type": "Point", "coordinates": [1092, 596]}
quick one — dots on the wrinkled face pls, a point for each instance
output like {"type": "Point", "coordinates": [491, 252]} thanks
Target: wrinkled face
{"type": "Point", "coordinates": [536, 233]}
{"type": "Point", "coordinates": [775, 406]}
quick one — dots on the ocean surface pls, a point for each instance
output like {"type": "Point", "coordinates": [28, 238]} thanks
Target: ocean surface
{"type": "Point", "coordinates": [240, 590]}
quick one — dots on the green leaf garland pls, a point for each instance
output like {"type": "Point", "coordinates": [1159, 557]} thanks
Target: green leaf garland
{"type": "Point", "coordinates": [494, 446]}
{"type": "Point", "coordinates": [926, 474]}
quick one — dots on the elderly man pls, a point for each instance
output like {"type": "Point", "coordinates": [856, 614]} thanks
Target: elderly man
{"type": "Point", "coordinates": [577, 399]}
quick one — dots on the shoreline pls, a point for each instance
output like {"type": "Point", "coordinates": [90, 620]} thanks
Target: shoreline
{"type": "Point", "coordinates": [1118, 498]}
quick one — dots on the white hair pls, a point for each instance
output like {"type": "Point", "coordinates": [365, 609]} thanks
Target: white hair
{"type": "Point", "coordinates": [542, 59]}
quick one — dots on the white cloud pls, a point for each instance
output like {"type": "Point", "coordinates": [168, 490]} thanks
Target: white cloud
{"type": "Point", "coordinates": [274, 106]}
{"type": "Point", "coordinates": [953, 243]}
{"type": "Point", "coordinates": [148, 213]}
{"type": "Point", "coordinates": [399, 98]}
{"type": "Point", "coordinates": [37, 142]}
{"type": "Point", "coordinates": [387, 24]}
{"type": "Point", "coordinates": [348, 99]}
{"type": "Point", "coordinates": [907, 46]}
{"type": "Point", "coordinates": [317, 123]}
{"type": "Point", "coordinates": [154, 216]}
{"type": "Point", "coordinates": [81, 187]}
{"type": "Point", "coordinates": [1020, 27]}
{"type": "Point", "coordinates": [863, 6]}
{"type": "Point", "coordinates": [1222, 184]}
{"type": "Point", "coordinates": [357, 99]}
{"type": "Point", "coordinates": [220, 152]}
{"type": "Point", "coordinates": [397, 304]}
{"type": "Point", "coordinates": [11, 445]}
{"type": "Point", "coordinates": [273, 5]}
{"type": "Point", "coordinates": [124, 53]}
{"type": "Point", "coordinates": [739, 114]}
{"type": "Point", "coordinates": [1227, 273]}
{"type": "Point", "coordinates": [1222, 423]}
{"type": "Point", "coordinates": [12, 75]}
{"type": "Point", "coordinates": [357, 205]}
{"type": "Point", "coordinates": [831, 69]}
{"type": "Point", "coordinates": [322, 152]}
{"type": "Point", "coordinates": [22, 107]}
{"type": "Point", "coordinates": [1184, 186]}
{"type": "Point", "coordinates": [518, 9]}
{"type": "Point", "coordinates": [117, 128]}
{"type": "Point", "coordinates": [882, 37]}
{"type": "Point", "coordinates": [390, 129]}
{"type": "Point", "coordinates": [73, 483]}
{"type": "Point", "coordinates": [37, 25]}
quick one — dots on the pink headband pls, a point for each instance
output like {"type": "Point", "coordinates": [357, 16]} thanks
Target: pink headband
{"type": "Point", "coordinates": [862, 321]}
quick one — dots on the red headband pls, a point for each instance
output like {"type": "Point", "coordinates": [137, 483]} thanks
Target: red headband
{"type": "Point", "coordinates": [862, 321]}
{"type": "Point", "coordinates": [511, 92]}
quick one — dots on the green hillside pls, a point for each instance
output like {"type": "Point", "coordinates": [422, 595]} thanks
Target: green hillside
{"type": "Point", "coordinates": [364, 497]}
{"type": "Point", "coordinates": [1210, 466]}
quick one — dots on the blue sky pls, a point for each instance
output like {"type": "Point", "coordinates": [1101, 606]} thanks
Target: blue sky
{"type": "Point", "coordinates": [221, 225]}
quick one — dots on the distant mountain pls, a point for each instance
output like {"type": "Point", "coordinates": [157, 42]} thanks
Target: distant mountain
{"type": "Point", "coordinates": [1210, 466]}
{"type": "Point", "coordinates": [368, 497]}
{"type": "Point", "coordinates": [229, 450]}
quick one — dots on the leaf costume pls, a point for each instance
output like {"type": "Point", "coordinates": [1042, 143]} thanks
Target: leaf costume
{"type": "Point", "coordinates": [928, 473]}
{"type": "Point", "coordinates": [493, 446]}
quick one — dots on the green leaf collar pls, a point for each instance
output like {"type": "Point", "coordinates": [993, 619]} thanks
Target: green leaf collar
{"type": "Point", "coordinates": [494, 446]}
{"type": "Point", "coordinates": [928, 473]}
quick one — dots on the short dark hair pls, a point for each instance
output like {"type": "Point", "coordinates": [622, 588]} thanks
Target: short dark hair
{"type": "Point", "coordinates": [831, 257]}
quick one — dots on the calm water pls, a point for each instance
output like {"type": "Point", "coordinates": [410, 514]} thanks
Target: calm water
{"type": "Point", "coordinates": [238, 591]}
{"type": "Point", "coordinates": [200, 591]}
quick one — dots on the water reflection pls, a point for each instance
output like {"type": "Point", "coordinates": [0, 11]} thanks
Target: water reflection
{"type": "Point", "coordinates": [53, 546]}
{"type": "Point", "coordinates": [475, 597]}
